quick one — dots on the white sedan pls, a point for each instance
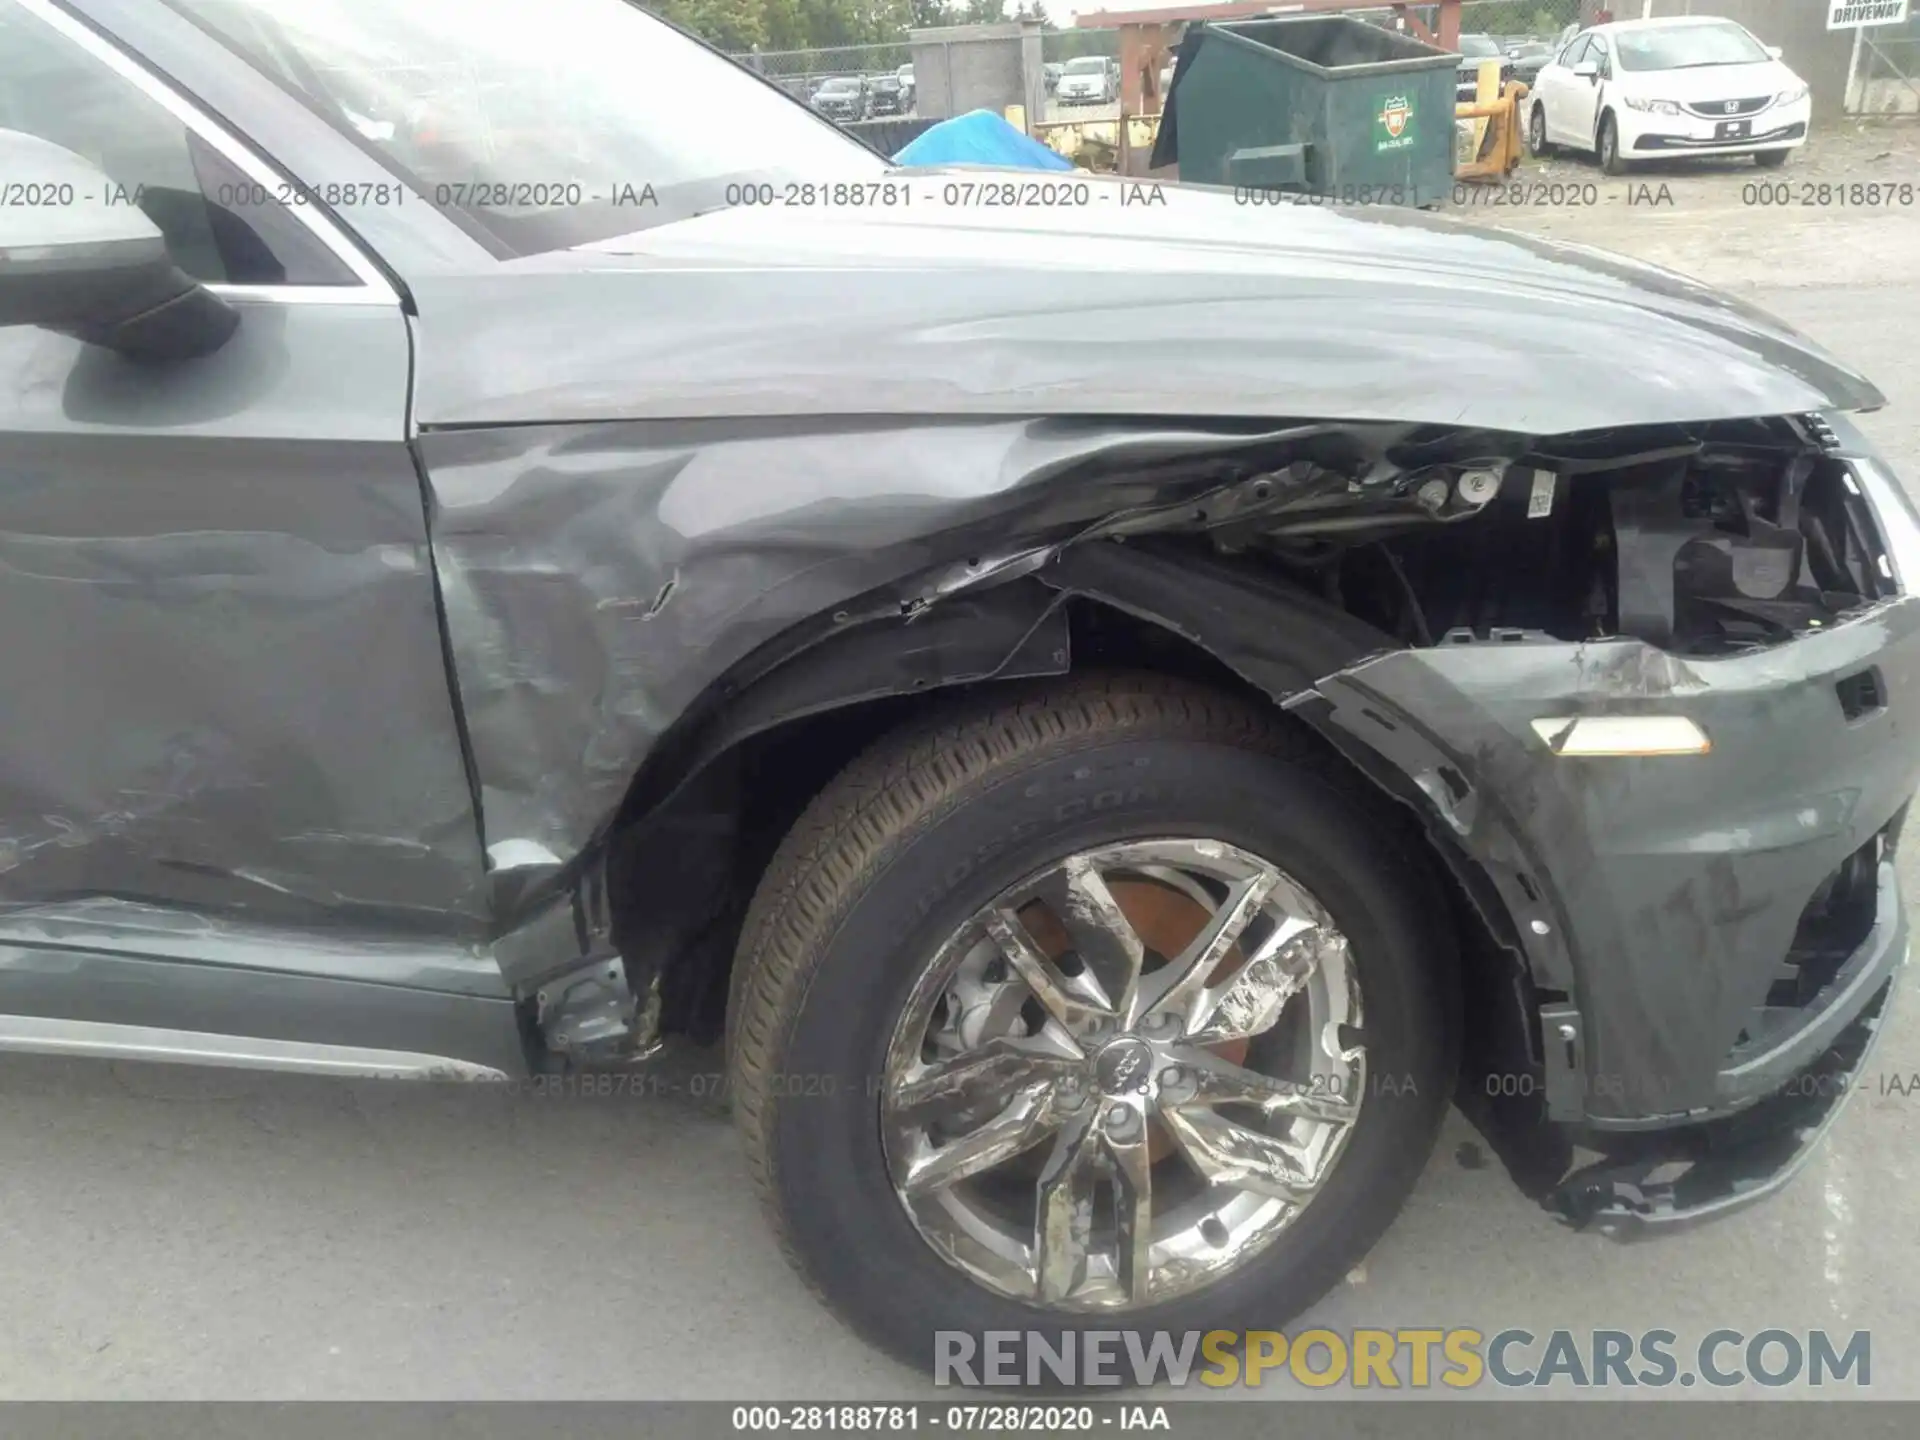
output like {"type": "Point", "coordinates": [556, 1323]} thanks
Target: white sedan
{"type": "Point", "coordinates": [1089, 80]}
{"type": "Point", "coordinates": [1698, 85]}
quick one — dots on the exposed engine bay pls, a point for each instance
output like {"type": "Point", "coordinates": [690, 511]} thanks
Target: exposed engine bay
{"type": "Point", "coordinates": [1703, 540]}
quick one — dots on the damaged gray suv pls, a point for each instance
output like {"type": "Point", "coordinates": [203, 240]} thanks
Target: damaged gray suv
{"type": "Point", "coordinates": [1115, 720]}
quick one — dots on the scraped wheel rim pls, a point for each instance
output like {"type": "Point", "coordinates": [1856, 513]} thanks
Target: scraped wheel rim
{"type": "Point", "coordinates": [1126, 1077]}
{"type": "Point", "coordinates": [1537, 130]}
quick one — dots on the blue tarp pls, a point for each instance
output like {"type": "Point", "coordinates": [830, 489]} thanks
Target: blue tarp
{"type": "Point", "coordinates": [980, 138]}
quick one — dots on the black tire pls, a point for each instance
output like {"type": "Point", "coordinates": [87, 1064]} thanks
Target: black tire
{"type": "Point", "coordinates": [1537, 143]}
{"type": "Point", "coordinates": [934, 821]}
{"type": "Point", "coordinates": [1607, 146]}
{"type": "Point", "coordinates": [1770, 159]}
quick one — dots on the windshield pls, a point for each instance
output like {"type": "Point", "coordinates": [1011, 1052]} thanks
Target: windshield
{"type": "Point", "coordinates": [1478, 45]}
{"type": "Point", "coordinates": [536, 124]}
{"type": "Point", "coordinates": [1683, 47]}
{"type": "Point", "coordinates": [1093, 65]}
{"type": "Point", "coordinates": [839, 87]}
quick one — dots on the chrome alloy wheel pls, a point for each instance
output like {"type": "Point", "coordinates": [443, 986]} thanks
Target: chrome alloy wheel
{"type": "Point", "coordinates": [1126, 1076]}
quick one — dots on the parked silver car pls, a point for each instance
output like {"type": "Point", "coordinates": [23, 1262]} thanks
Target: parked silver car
{"type": "Point", "coordinates": [1089, 80]}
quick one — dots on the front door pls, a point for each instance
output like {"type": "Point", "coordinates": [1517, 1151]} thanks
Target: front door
{"type": "Point", "coordinates": [1583, 108]}
{"type": "Point", "coordinates": [227, 717]}
{"type": "Point", "coordinates": [1557, 84]}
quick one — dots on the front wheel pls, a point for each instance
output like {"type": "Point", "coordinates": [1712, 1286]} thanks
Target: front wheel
{"type": "Point", "coordinates": [1117, 998]}
{"type": "Point", "coordinates": [1608, 147]}
{"type": "Point", "coordinates": [1537, 143]}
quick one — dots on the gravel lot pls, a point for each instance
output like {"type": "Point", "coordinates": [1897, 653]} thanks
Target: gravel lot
{"type": "Point", "coordinates": [1836, 213]}
{"type": "Point", "coordinates": [179, 1233]}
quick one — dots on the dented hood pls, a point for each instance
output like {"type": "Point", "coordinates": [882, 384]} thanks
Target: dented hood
{"type": "Point", "coordinates": [1089, 295]}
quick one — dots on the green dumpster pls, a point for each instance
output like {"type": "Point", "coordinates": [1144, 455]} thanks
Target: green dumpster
{"type": "Point", "coordinates": [1321, 104]}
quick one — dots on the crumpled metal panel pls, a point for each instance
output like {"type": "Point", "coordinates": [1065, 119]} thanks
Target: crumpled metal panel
{"type": "Point", "coordinates": [598, 579]}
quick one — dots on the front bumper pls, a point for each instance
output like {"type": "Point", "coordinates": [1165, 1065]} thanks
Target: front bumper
{"type": "Point", "coordinates": [1710, 939]}
{"type": "Point", "coordinates": [1664, 896]}
{"type": "Point", "coordinates": [1664, 902]}
{"type": "Point", "coordinates": [1739, 1160]}
{"type": "Point", "coordinates": [1713, 937]}
{"type": "Point", "coordinates": [1779, 127]}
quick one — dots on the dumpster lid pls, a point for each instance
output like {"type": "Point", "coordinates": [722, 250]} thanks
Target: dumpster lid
{"type": "Point", "coordinates": [1165, 142]}
{"type": "Point", "coordinates": [1331, 46]}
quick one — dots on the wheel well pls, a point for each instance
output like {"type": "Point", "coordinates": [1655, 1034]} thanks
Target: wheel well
{"type": "Point", "coordinates": [726, 822]}
{"type": "Point", "coordinates": [683, 873]}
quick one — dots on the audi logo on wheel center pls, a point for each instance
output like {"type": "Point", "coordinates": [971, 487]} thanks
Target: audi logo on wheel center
{"type": "Point", "coordinates": [1123, 1067]}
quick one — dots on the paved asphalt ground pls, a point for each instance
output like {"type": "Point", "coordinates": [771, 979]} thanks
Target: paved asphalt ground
{"type": "Point", "coordinates": [207, 1234]}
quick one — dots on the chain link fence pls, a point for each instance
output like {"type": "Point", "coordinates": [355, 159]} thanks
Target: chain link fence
{"type": "Point", "coordinates": [1887, 73]}
{"type": "Point", "coordinates": [801, 72]}
{"type": "Point", "coordinates": [1059, 46]}
{"type": "Point", "coordinates": [968, 67]}
{"type": "Point", "coordinates": [1516, 20]}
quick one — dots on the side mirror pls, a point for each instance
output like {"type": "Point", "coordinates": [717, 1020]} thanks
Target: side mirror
{"type": "Point", "coordinates": [89, 263]}
{"type": "Point", "coordinates": [1587, 70]}
{"type": "Point", "coordinates": [1775, 51]}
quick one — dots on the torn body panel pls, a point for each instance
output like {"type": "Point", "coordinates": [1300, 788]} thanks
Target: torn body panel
{"type": "Point", "coordinates": [1409, 593]}
{"type": "Point", "coordinates": [601, 581]}
{"type": "Point", "coordinates": [1666, 896]}
{"type": "Point", "coordinates": [1730, 1162]}
{"type": "Point", "coordinates": [652, 456]}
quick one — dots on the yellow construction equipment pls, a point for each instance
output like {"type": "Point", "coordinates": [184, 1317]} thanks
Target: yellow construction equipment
{"type": "Point", "coordinates": [1496, 146]}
